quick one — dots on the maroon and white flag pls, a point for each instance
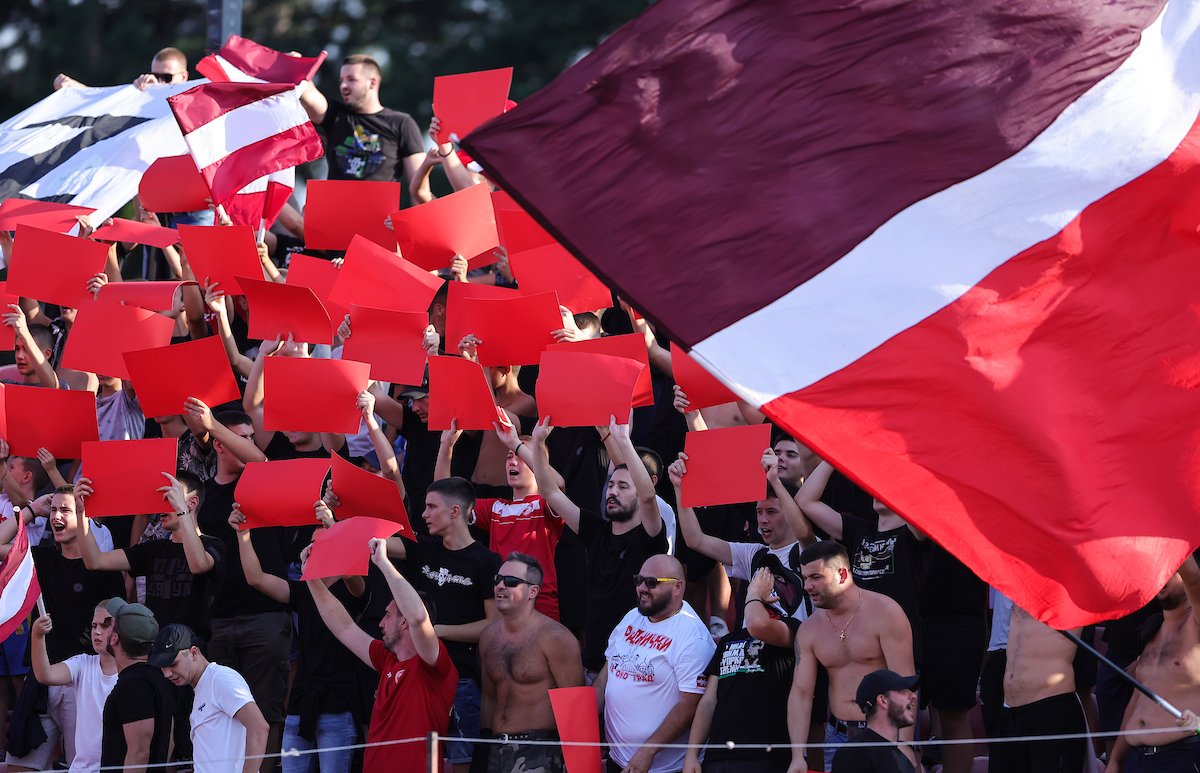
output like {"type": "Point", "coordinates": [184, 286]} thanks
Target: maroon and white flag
{"type": "Point", "coordinates": [239, 132]}
{"type": "Point", "coordinates": [19, 589]}
{"type": "Point", "coordinates": [244, 61]}
{"type": "Point", "coordinates": [259, 203]}
{"type": "Point", "coordinates": [951, 246]}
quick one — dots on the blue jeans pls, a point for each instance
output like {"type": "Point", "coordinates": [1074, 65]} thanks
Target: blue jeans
{"type": "Point", "coordinates": [464, 722]}
{"type": "Point", "coordinates": [333, 730]}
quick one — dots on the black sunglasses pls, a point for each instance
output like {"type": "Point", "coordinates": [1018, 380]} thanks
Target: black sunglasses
{"type": "Point", "coordinates": [508, 580]}
{"type": "Point", "coordinates": [163, 77]}
{"type": "Point", "coordinates": [651, 582]}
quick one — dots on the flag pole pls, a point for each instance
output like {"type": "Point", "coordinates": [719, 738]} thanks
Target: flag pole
{"type": "Point", "coordinates": [41, 605]}
{"type": "Point", "coordinates": [262, 230]}
{"type": "Point", "coordinates": [1167, 707]}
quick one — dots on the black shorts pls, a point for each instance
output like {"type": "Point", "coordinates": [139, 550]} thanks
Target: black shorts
{"type": "Point", "coordinates": [1056, 715]}
{"type": "Point", "coordinates": [1179, 757]}
{"type": "Point", "coordinates": [1085, 663]}
{"type": "Point", "coordinates": [953, 656]}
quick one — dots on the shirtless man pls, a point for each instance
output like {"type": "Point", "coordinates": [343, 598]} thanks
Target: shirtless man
{"type": "Point", "coordinates": [1039, 699]}
{"type": "Point", "coordinates": [1170, 666]}
{"type": "Point", "coordinates": [524, 655]}
{"type": "Point", "coordinates": [855, 633]}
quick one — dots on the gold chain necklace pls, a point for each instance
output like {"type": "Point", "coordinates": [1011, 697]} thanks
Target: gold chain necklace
{"type": "Point", "coordinates": [842, 633]}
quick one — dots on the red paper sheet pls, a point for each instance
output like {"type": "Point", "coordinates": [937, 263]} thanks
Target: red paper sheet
{"type": "Point", "coordinates": [103, 332]}
{"type": "Point", "coordinates": [167, 376]}
{"type": "Point", "coordinates": [8, 336]}
{"type": "Point", "coordinates": [552, 269]}
{"type": "Point", "coordinates": [457, 292]}
{"type": "Point", "coordinates": [336, 210]}
{"type": "Point", "coordinates": [462, 102]}
{"type": "Point", "coordinates": [514, 331]}
{"type": "Point", "coordinates": [126, 475]}
{"type": "Point", "coordinates": [577, 716]}
{"type": "Point", "coordinates": [364, 493]}
{"type": "Point", "coordinates": [459, 391]}
{"type": "Point", "coordinates": [724, 465]}
{"type": "Point", "coordinates": [281, 493]}
{"type": "Point", "coordinates": [317, 275]}
{"type": "Point", "coordinates": [577, 389]}
{"type": "Point", "coordinates": [462, 223]}
{"type": "Point", "coordinates": [173, 184]}
{"type": "Point", "coordinates": [306, 395]}
{"type": "Point", "coordinates": [631, 346]}
{"type": "Point", "coordinates": [221, 254]}
{"type": "Point", "coordinates": [137, 232]}
{"type": "Point", "coordinates": [372, 276]}
{"type": "Point", "coordinates": [343, 548]}
{"type": "Point", "coordinates": [48, 215]}
{"type": "Point", "coordinates": [279, 309]}
{"type": "Point", "coordinates": [702, 388]}
{"type": "Point", "coordinates": [154, 296]}
{"type": "Point", "coordinates": [57, 419]}
{"type": "Point", "coordinates": [519, 232]}
{"type": "Point", "coordinates": [391, 341]}
{"type": "Point", "coordinates": [53, 268]}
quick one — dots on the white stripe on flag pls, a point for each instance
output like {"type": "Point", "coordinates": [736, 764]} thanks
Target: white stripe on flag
{"type": "Point", "coordinates": [13, 596]}
{"type": "Point", "coordinates": [245, 126]}
{"type": "Point", "coordinates": [927, 256]}
{"type": "Point", "coordinates": [233, 73]}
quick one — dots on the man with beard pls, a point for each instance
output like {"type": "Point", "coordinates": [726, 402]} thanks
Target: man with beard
{"type": "Point", "coordinates": [890, 704]}
{"type": "Point", "coordinates": [1170, 666]}
{"type": "Point", "coordinates": [656, 671]}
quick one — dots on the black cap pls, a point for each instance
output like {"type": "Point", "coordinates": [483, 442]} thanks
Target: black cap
{"type": "Point", "coordinates": [877, 683]}
{"type": "Point", "coordinates": [415, 392]}
{"type": "Point", "coordinates": [171, 641]}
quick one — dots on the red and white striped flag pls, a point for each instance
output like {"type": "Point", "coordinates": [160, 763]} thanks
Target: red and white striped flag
{"type": "Point", "coordinates": [259, 203]}
{"type": "Point", "coordinates": [19, 589]}
{"type": "Point", "coordinates": [244, 61]}
{"type": "Point", "coordinates": [239, 132]}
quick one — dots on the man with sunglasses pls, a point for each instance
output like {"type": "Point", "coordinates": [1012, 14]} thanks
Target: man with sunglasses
{"type": "Point", "coordinates": [655, 672]}
{"type": "Point", "coordinates": [523, 655]}
{"type": "Point", "coordinates": [168, 66]}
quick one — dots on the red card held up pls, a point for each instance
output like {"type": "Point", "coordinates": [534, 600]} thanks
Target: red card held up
{"type": "Point", "coordinates": [724, 466]}
{"type": "Point", "coordinates": [391, 341]}
{"type": "Point", "coordinates": [456, 294]}
{"type": "Point", "coordinates": [8, 336]}
{"type": "Point", "coordinates": [280, 493]}
{"type": "Point", "coordinates": [364, 493]}
{"type": "Point", "coordinates": [53, 268]}
{"type": "Point", "coordinates": [221, 254]}
{"type": "Point", "coordinates": [173, 184]}
{"type": "Point", "coordinates": [372, 276]}
{"type": "Point", "coordinates": [307, 395]}
{"type": "Point", "coordinates": [137, 232]}
{"type": "Point", "coordinates": [702, 388]}
{"type": "Point", "coordinates": [552, 269]}
{"type": "Point", "coordinates": [343, 548]}
{"type": "Point", "coordinates": [459, 391]}
{"type": "Point", "coordinates": [126, 475]}
{"type": "Point", "coordinates": [513, 331]}
{"type": "Point", "coordinates": [462, 102]}
{"type": "Point", "coordinates": [519, 232]}
{"type": "Point", "coordinates": [153, 296]}
{"type": "Point", "coordinates": [167, 376]}
{"type": "Point", "coordinates": [279, 309]}
{"type": "Point", "coordinates": [103, 332]}
{"type": "Point", "coordinates": [337, 210]}
{"type": "Point", "coordinates": [462, 223]}
{"type": "Point", "coordinates": [577, 718]}
{"type": "Point", "coordinates": [631, 346]}
{"type": "Point", "coordinates": [577, 389]}
{"type": "Point", "coordinates": [319, 276]}
{"type": "Point", "coordinates": [48, 215]}
{"type": "Point", "coordinates": [58, 419]}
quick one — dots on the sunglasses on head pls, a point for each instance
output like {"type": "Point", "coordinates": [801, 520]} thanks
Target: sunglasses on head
{"type": "Point", "coordinates": [651, 582]}
{"type": "Point", "coordinates": [508, 580]}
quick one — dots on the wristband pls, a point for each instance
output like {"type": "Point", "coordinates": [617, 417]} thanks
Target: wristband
{"type": "Point", "coordinates": [517, 450]}
{"type": "Point", "coordinates": [444, 155]}
{"type": "Point", "coordinates": [760, 601]}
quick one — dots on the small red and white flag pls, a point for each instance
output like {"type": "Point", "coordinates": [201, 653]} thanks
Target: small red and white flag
{"type": "Point", "coordinates": [244, 61]}
{"type": "Point", "coordinates": [239, 132]}
{"type": "Point", "coordinates": [259, 203]}
{"type": "Point", "coordinates": [19, 589]}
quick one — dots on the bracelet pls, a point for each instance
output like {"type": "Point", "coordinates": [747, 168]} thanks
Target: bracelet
{"type": "Point", "coordinates": [760, 601]}
{"type": "Point", "coordinates": [605, 438]}
{"type": "Point", "coordinates": [517, 450]}
{"type": "Point", "coordinates": [444, 155]}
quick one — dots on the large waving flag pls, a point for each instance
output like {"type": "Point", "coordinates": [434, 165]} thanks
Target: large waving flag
{"type": "Point", "coordinates": [19, 589]}
{"type": "Point", "coordinates": [259, 203]}
{"type": "Point", "coordinates": [244, 61]}
{"type": "Point", "coordinates": [952, 246]}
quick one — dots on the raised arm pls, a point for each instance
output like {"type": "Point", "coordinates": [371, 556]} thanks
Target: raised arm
{"type": "Point", "coordinates": [410, 605]}
{"type": "Point", "coordinates": [15, 318]}
{"type": "Point", "coordinates": [214, 298]}
{"type": "Point", "coordinates": [809, 500]}
{"type": "Point", "coordinates": [200, 561]}
{"type": "Point", "coordinates": [263, 582]}
{"type": "Point", "coordinates": [1190, 573]}
{"type": "Point", "coordinates": [50, 465]}
{"type": "Point", "coordinates": [695, 420]}
{"type": "Point", "coordinates": [206, 429]}
{"type": "Point", "coordinates": [337, 619]}
{"type": "Point", "coordinates": [450, 436]}
{"type": "Point", "coordinates": [548, 480]}
{"type": "Point", "coordinates": [47, 673]}
{"type": "Point", "coordinates": [458, 175]}
{"type": "Point", "coordinates": [801, 527]}
{"type": "Point", "coordinates": [619, 441]}
{"type": "Point", "coordinates": [314, 102]}
{"type": "Point", "coordinates": [388, 466]}
{"type": "Point", "coordinates": [93, 557]}
{"type": "Point", "coordinates": [758, 621]}
{"type": "Point", "coordinates": [713, 547]}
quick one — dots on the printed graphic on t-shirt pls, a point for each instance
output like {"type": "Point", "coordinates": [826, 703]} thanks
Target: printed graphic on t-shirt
{"type": "Point", "coordinates": [741, 657]}
{"type": "Point", "coordinates": [635, 667]}
{"type": "Point", "coordinates": [639, 638]}
{"type": "Point", "coordinates": [874, 558]}
{"type": "Point", "coordinates": [360, 154]}
{"type": "Point", "coordinates": [170, 578]}
{"type": "Point", "coordinates": [443, 576]}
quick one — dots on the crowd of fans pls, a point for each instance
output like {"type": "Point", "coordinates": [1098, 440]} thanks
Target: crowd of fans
{"type": "Point", "coordinates": [545, 557]}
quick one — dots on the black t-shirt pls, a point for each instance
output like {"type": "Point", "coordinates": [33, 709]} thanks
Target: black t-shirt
{"type": "Point", "coordinates": [141, 692]}
{"type": "Point", "coordinates": [852, 758]}
{"type": "Point", "coordinates": [420, 459]}
{"type": "Point", "coordinates": [613, 560]}
{"type": "Point", "coordinates": [753, 682]}
{"type": "Point", "coordinates": [71, 593]}
{"type": "Point", "coordinates": [459, 581]}
{"type": "Point", "coordinates": [951, 589]}
{"type": "Point", "coordinates": [326, 680]}
{"type": "Point", "coordinates": [236, 597]}
{"type": "Point", "coordinates": [362, 146]}
{"type": "Point", "coordinates": [173, 593]}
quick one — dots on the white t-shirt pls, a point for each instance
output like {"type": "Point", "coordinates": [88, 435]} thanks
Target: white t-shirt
{"type": "Point", "coordinates": [668, 516]}
{"type": "Point", "coordinates": [216, 735]}
{"type": "Point", "coordinates": [743, 558]}
{"type": "Point", "coordinates": [92, 687]}
{"type": "Point", "coordinates": [649, 664]}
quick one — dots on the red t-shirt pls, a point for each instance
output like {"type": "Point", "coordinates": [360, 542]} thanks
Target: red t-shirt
{"type": "Point", "coordinates": [528, 526]}
{"type": "Point", "coordinates": [414, 698]}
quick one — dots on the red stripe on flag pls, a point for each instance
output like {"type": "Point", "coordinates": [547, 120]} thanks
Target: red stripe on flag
{"type": "Point", "coordinates": [1033, 428]}
{"type": "Point", "coordinates": [291, 147]}
{"type": "Point", "coordinates": [18, 557]}
{"type": "Point", "coordinates": [202, 104]}
{"type": "Point", "coordinates": [210, 68]}
{"type": "Point", "coordinates": [258, 61]}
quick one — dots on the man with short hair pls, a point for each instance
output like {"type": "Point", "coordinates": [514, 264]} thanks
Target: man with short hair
{"type": "Point", "coordinates": [137, 715]}
{"type": "Point", "coordinates": [889, 702]}
{"type": "Point", "coordinates": [228, 731]}
{"type": "Point", "coordinates": [168, 66]}
{"type": "Point", "coordinates": [523, 655]}
{"type": "Point", "coordinates": [33, 350]}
